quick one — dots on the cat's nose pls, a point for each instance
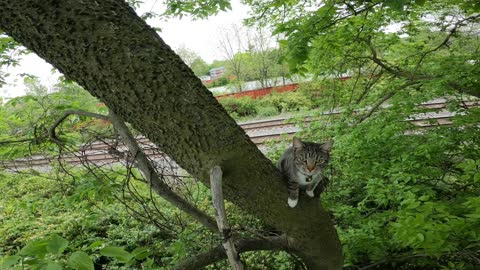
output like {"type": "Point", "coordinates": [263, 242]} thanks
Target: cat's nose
{"type": "Point", "coordinates": [310, 168]}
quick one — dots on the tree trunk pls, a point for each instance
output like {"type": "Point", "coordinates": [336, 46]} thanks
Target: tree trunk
{"type": "Point", "coordinates": [106, 48]}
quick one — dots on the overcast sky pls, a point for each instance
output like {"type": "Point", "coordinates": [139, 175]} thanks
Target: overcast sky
{"type": "Point", "coordinates": [199, 36]}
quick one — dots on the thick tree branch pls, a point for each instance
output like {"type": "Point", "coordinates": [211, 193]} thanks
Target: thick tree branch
{"type": "Point", "coordinates": [106, 48]}
{"type": "Point", "coordinates": [218, 253]}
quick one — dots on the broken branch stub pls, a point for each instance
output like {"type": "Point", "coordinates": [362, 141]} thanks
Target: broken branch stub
{"type": "Point", "coordinates": [221, 217]}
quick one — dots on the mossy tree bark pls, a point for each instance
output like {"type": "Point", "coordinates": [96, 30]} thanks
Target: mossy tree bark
{"type": "Point", "coordinates": [117, 57]}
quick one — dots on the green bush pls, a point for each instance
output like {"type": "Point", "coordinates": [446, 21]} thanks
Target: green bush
{"type": "Point", "coordinates": [405, 201]}
{"type": "Point", "coordinates": [313, 91]}
{"type": "Point", "coordinates": [219, 82]}
{"type": "Point", "coordinates": [286, 102]}
{"type": "Point", "coordinates": [83, 225]}
{"type": "Point", "coordinates": [269, 105]}
{"type": "Point", "coordinates": [240, 107]}
{"type": "Point", "coordinates": [267, 110]}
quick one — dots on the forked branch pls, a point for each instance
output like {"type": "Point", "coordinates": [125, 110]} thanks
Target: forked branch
{"type": "Point", "coordinates": [144, 165]}
{"type": "Point", "coordinates": [221, 217]}
{"type": "Point", "coordinates": [384, 99]}
{"type": "Point", "coordinates": [51, 130]}
{"type": "Point", "coordinates": [147, 169]}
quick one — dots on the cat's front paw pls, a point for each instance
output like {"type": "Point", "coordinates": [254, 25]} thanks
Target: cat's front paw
{"type": "Point", "coordinates": [310, 193]}
{"type": "Point", "coordinates": [292, 202]}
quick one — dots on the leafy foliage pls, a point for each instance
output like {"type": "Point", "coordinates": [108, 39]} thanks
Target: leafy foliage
{"type": "Point", "coordinates": [305, 99]}
{"type": "Point", "coordinates": [241, 107]}
{"type": "Point", "coordinates": [197, 9]}
{"type": "Point", "coordinates": [432, 43]}
{"type": "Point", "coordinates": [402, 197]}
{"type": "Point", "coordinates": [82, 227]}
{"type": "Point", "coordinates": [71, 218]}
{"type": "Point", "coordinates": [195, 62]}
{"type": "Point", "coordinates": [26, 119]}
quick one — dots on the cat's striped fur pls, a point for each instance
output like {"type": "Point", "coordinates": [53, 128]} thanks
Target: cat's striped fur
{"type": "Point", "coordinates": [302, 165]}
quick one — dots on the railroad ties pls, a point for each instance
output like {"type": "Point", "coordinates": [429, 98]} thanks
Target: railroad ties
{"type": "Point", "coordinates": [259, 131]}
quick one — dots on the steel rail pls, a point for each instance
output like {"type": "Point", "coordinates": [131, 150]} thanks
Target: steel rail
{"type": "Point", "coordinates": [259, 131]}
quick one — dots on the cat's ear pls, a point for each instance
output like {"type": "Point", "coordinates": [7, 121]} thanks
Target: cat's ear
{"type": "Point", "coordinates": [297, 144]}
{"type": "Point", "coordinates": [327, 146]}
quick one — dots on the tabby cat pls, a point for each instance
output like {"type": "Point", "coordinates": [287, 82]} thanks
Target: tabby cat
{"type": "Point", "coordinates": [302, 166]}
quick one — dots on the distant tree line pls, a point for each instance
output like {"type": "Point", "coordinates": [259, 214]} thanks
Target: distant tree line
{"type": "Point", "coordinates": [251, 54]}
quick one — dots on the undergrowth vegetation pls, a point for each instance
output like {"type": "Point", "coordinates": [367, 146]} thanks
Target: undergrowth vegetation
{"type": "Point", "coordinates": [401, 197]}
{"type": "Point", "coordinates": [302, 100]}
{"type": "Point", "coordinates": [95, 217]}
{"type": "Point", "coordinates": [48, 223]}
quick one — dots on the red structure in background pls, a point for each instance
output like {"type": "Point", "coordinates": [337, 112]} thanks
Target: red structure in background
{"type": "Point", "coordinates": [261, 92]}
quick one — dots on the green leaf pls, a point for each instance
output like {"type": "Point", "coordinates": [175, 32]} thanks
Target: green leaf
{"type": "Point", "coordinates": [424, 198]}
{"type": "Point", "coordinates": [116, 252]}
{"type": "Point", "coordinates": [53, 266]}
{"type": "Point", "coordinates": [95, 244]}
{"type": "Point", "coordinates": [9, 261]}
{"type": "Point", "coordinates": [476, 178]}
{"type": "Point", "coordinates": [395, 4]}
{"type": "Point", "coordinates": [420, 237]}
{"type": "Point", "coordinates": [57, 244]}
{"type": "Point", "coordinates": [413, 205]}
{"type": "Point", "coordinates": [141, 253]}
{"type": "Point", "coordinates": [35, 248]}
{"type": "Point", "coordinates": [80, 260]}
{"type": "Point", "coordinates": [474, 216]}
{"type": "Point", "coordinates": [148, 264]}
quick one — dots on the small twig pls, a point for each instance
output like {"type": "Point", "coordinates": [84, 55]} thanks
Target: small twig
{"type": "Point", "coordinates": [374, 78]}
{"type": "Point", "coordinates": [377, 105]}
{"type": "Point", "coordinates": [17, 141]}
{"type": "Point", "coordinates": [148, 171]}
{"type": "Point", "coordinates": [145, 165]}
{"type": "Point", "coordinates": [445, 41]}
{"type": "Point", "coordinates": [51, 131]}
{"type": "Point", "coordinates": [384, 99]}
{"type": "Point", "coordinates": [382, 63]}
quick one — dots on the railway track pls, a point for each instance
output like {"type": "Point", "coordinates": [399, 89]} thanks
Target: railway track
{"type": "Point", "coordinates": [259, 131]}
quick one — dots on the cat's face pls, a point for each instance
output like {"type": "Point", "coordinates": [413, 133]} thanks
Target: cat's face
{"type": "Point", "coordinates": [311, 158]}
